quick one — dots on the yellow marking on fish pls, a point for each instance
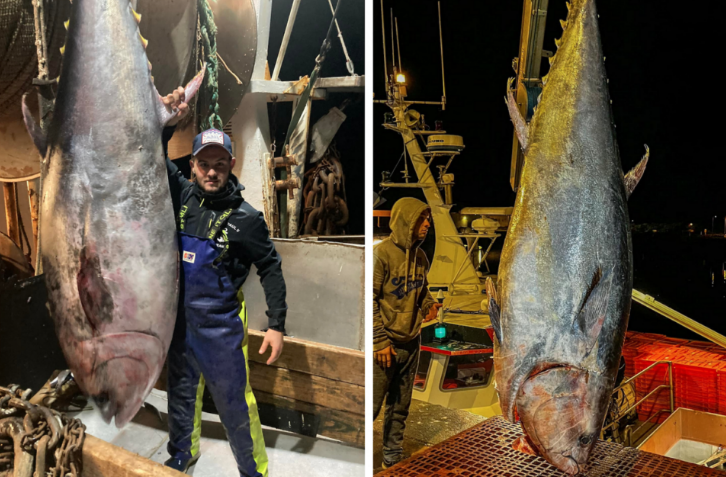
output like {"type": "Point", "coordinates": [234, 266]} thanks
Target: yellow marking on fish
{"type": "Point", "coordinates": [150, 66]}
{"type": "Point", "coordinates": [144, 41]}
{"type": "Point", "coordinates": [137, 15]}
{"type": "Point", "coordinates": [63, 50]}
{"type": "Point", "coordinates": [67, 23]}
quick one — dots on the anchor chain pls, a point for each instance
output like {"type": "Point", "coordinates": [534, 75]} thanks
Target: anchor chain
{"type": "Point", "coordinates": [326, 209]}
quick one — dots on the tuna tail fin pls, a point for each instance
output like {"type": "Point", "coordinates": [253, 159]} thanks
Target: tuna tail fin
{"type": "Point", "coordinates": [494, 312]}
{"type": "Point", "coordinates": [34, 130]}
{"type": "Point", "coordinates": [633, 177]}
{"type": "Point", "coordinates": [520, 125]}
{"type": "Point", "coordinates": [165, 114]}
{"type": "Point", "coordinates": [591, 317]}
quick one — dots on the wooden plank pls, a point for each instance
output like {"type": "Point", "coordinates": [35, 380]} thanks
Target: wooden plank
{"type": "Point", "coordinates": [308, 388]}
{"type": "Point", "coordinates": [33, 201]}
{"type": "Point", "coordinates": [332, 362]}
{"type": "Point", "coordinates": [340, 425]}
{"type": "Point", "coordinates": [11, 212]}
{"type": "Point", "coordinates": [345, 84]}
{"type": "Point", "coordinates": [101, 459]}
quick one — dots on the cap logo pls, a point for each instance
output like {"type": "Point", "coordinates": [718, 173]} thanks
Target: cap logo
{"type": "Point", "coordinates": [213, 137]}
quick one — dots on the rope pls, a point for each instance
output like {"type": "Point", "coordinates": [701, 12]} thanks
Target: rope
{"type": "Point", "coordinates": [209, 92]}
{"type": "Point", "coordinates": [239, 81]}
{"type": "Point", "coordinates": [348, 62]}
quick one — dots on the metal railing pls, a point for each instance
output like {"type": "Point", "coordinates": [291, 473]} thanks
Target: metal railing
{"type": "Point", "coordinates": [669, 386]}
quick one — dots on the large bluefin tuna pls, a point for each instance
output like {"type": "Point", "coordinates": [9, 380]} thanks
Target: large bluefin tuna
{"type": "Point", "coordinates": [108, 236]}
{"type": "Point", "coordinates": [565, 279]}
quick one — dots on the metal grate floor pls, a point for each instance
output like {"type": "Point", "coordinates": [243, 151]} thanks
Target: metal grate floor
{"type": "Point", "coordinates": [486, 450]}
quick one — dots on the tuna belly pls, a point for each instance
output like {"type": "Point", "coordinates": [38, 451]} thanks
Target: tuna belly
{"type": "Point", "coordinates": [119, 370]}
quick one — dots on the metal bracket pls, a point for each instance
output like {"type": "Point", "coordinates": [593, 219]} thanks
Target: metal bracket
{"type": "Point", "coordinates": [286, 161]}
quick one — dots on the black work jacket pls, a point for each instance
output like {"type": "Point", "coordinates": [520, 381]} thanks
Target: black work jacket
{"type": "Point", "coordinates": [245, 232]}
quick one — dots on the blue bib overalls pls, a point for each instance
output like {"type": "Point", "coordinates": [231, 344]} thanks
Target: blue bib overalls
{"type": "Point", "coordinates": [210, 345]}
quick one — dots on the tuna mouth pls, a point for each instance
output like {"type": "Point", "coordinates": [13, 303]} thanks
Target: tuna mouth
{"type": "Point", "coordinates": [119, 370]}
{"type": "Point", "coordinates": [571, 466]}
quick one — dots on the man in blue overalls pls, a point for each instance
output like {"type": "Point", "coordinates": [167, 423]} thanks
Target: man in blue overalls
{"type": "Point", "coordinates": [221, 236]}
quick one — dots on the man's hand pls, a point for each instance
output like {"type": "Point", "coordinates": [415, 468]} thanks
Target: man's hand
{"type": "Point", "coordinates": [385, 357]}
{"type": "Point", "coordinates": [433, 312]}
{"type": "Point", "coordinates": [274, 340]}
{"type": "Point", "coordinates": [176, 101]}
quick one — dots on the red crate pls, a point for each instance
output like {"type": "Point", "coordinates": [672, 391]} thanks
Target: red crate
{"type": "Point", "coordinates": [695, 387]}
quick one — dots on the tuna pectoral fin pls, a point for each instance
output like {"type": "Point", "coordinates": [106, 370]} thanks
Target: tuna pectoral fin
{"type": "Point", "coordinates": [166, 114]}
{"type": "Point", "coordinates": [520, 125]}
{"type": "Point", "coordinates": [34, 130]}
{"type": "Point", "coordinates": [93, 292]}
{"type": "Point", "coordinates": [494, 309]}
{"type": "Point", "coordinates": [592, 314]}
{"type": "Point", "coordinates": [633, 177]}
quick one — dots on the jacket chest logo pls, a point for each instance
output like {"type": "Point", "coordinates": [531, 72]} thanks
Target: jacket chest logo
{"type": "Point", "coordinates": [189, 256]}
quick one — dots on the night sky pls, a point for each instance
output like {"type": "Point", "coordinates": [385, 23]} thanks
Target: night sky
{"type": "Point", "coordinates": [662, 82]}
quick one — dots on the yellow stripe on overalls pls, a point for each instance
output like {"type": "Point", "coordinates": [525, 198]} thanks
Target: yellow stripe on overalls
{"type": "Point", "coordinates": [259, 453]}
{"type": "Point", "coordinates": [197, 432]}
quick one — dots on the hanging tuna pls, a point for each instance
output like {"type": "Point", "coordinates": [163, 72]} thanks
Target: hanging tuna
{"type": "Point", "coordinates": [108, 236]}
{"type": "Point", "coordinates": [560, 309]}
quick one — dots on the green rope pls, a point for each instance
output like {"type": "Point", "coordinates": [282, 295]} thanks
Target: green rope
{"type": "Point", "coordinates": [209, 92]}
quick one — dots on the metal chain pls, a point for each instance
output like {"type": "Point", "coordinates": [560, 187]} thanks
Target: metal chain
{"type": "Point", "coordinates": [37, 430]}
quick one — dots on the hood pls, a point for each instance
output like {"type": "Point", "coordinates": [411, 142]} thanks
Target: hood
{"type": "Point", "coordinates": [228, 198]}
{"type": "Point", "coordinates": [404, 215]}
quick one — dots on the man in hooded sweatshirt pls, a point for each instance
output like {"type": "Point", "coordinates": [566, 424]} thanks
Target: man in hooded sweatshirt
{"type": "Point", "coordinates": [401, 302]}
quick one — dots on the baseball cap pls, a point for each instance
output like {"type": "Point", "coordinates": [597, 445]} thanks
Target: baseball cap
{"type": "Point", "coordinates": [212, 137]}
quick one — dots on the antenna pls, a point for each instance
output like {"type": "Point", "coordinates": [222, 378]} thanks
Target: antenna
{"type": "Point", "coordinates": [383, 30]}
{"type": "Point", "coordinates": [398, 42]}
{"type": "Point", "coordinates": [443, 79]}
{"type": "Point", "coordinates": [393, 44]}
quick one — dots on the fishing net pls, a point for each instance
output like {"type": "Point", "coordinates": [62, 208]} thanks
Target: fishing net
{"type": "Point", "coordinates": [18, 54]}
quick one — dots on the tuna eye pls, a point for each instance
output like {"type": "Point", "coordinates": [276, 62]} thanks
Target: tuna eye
{"type": "Point", "coordinates": [585, 440]}
{"type": "Point", "coordinates": [102, 399]}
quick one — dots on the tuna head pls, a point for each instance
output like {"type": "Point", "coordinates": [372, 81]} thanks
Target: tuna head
{"type": "Point", "coordinates": [118, 371]}
{"type": "Point", "coordinates": [562, 409]}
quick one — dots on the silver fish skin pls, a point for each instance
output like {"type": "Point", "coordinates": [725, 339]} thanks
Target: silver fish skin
{"type": "Point", "coordinates": [561, 305]}
{"type": "Point", "coordinates": [109, 246]}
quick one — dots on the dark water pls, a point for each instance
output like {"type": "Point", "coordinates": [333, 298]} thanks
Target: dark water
{"type": "Point", "coordinates": [676, 270]}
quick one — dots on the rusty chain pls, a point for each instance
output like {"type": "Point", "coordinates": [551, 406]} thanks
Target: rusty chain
{"type": "Point", "coordinates": [50, 442]}
{"type": "Point", "coordinates": [326, 209]}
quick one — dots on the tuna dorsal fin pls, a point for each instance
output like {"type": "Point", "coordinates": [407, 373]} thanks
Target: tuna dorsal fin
{"type": "Point", "coordinates": [633, 177]}
{"type": "Point", "coordinates": [166, 115]}
{"type": "Point", "coordinates": [494, 312]}
{"type": "Point", "coordinates": [591, 317]}
{"type": "Point", "coordinates": [93, 292]}
{"type": "Point", "coordinates": [520, 125]}
{"type": "Point", "coordinates": [34, 130]}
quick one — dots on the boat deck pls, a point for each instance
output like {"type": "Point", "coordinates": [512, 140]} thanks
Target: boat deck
{"type": "Point", "coordinates": [289, 454]}
{"type": "Point", "coordinates": [486, 450]}
{"type": "Point", "coordinates": [426, 426]}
